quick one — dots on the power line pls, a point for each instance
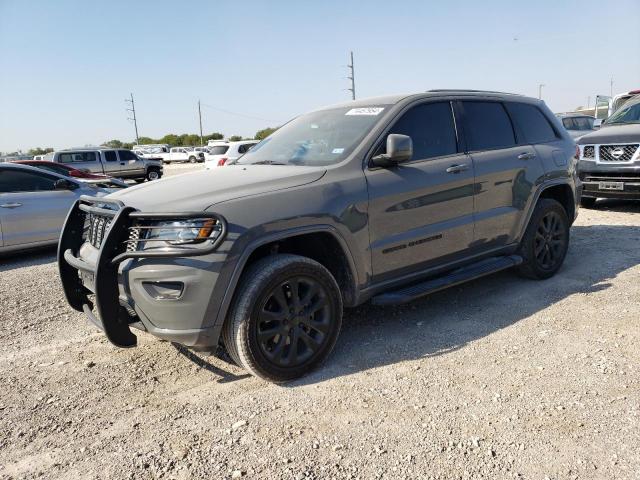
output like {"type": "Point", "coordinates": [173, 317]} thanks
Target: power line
{"type": "Point", "coordinates": [134, 119]}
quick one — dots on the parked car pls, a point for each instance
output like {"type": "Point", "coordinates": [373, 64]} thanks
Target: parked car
{"type": "Point", "coordinates": [68, 171]}
{"type": "Point", "coordinates": [577, 125]}
{"type": "Point", "coordinates": [34, 204]}
{"type": "Point", "coordinates": [609, 165]}
{"type": "Point", "coordinates": [227, 153]}
{"type": "Point", "coordinates": [118, 163]}
{"type": "Point", "coordinates": [180, 154]}
{"type": "Point", "coordinates": [386, 199]}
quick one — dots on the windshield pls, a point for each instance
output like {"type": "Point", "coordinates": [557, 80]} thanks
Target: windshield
{"type": "Point", "coordinates": [318, 138]}
{"type": "Point", "coordinates": [628, 113]}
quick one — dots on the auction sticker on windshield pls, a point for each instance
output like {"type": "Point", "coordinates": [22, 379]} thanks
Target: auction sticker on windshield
{"type": "Point", "coordinates": [365, 111]}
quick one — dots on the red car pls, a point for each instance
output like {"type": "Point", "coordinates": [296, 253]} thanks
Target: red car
{"type": "Point", "coordinates": [68, 171]}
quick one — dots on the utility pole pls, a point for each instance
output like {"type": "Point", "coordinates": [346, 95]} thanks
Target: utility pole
{"type": "Point", "coordinates": [352, 77]}
{"type": "Point", "coordinates": [200, 117]}
{"type": "Point", "coordinates": [540, 90]}
{"type": "Point", "coordinates": [588, 101]}
{"type": "Point", "coordinates": [611, 88]}
{"type": "Point", "coordinates": [134, 119]}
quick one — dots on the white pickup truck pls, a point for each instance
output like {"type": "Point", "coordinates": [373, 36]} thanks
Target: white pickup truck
{"type": "Point", "coordinates": [170, 154]}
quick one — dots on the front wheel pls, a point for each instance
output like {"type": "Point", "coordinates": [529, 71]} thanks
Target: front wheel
{"type": "Point", "coordinates": [546, 240]}
{"type": "Point", "coordinates": [192, 159]}
{"type": "Point", "coordinates": [153, 174]}
{"type": "Point", "coordinates": [285, 319]}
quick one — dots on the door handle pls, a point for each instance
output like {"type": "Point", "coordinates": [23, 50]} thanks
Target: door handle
{"type": "Point", "coordinates": [11, 205]}
{"type": "Point", "coordinates": [457, 168]}
{"type": "Point", "coordinates": [121, 163]}
{"type": "Point", "coordinates": [526, 156]}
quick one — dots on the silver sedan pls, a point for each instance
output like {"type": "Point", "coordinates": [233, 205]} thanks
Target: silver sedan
{"type": "Point", "coordinates": [34, 205]}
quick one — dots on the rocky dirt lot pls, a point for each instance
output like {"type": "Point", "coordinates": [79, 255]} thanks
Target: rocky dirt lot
{"type": "Point", "coordinates": [499, 378]}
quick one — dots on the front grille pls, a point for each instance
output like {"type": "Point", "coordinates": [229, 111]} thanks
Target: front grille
{"type": "Point", "coordinates": [611, 176]}
{"type": "Point", "coordinates": [589, 151]}
{"type": "Point", "coordinates": [617, 153]}
{"type": "Point", "coordinates": [98, 226]}
{"type": "Point", "coordinates": [134, 236]}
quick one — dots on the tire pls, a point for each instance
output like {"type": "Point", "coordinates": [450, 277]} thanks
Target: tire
{"type": "Point", "coordinates": [258, 304]}
{"type": "Point", "coordinates": [587, 202]}
{"type": "Point", "coordinates": [192, 160]}
{"type": "Point", "coordinates": [545, 242]}
{"type": "Point", "coordinates": [153, 174]}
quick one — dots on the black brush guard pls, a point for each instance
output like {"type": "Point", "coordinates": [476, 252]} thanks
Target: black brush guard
{"type": "Point", "coordinates": [113, 318]}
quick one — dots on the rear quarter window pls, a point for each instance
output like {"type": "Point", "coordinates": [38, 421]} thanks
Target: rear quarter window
{"type": "Point", "coordinates": [219, 150]}
{"type": "Point", "coordinates": [533, 124]}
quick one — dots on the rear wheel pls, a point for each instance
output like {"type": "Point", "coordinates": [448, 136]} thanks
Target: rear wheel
{"type": "Point", "coordinates": [285, 319]}
{"type": "Point", "coordinates": [192, 159]}
{"type": "Point", "coordinates": [545, 242]}
{"type": "Point", "coordinates": [587, 202]}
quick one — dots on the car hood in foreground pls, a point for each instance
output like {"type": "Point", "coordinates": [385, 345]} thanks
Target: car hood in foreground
{"type": "Point", "coordinates": [629, 133]}
{"type": "Point", "coordinates": [199, 190]}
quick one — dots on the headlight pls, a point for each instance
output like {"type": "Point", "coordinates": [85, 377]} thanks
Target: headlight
{"type": "Point", "coordinates": [171, 233]}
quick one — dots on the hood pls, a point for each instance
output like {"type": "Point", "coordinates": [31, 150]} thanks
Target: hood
{"type": "Point", "coordinates": [199, 190]}
{"type": "Point", "coordinates": [629, 133]}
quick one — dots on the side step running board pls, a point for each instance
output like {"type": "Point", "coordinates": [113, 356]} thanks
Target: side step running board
{"type": "Point", "coordinates": [455, 277]}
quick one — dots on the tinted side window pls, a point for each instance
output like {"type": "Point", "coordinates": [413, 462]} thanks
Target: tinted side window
{"type": "Point", "coordinates": [75, 157]}
{"type": "Point", "coordinates": [532, 123]}
{"type": "Point", "coordinates": [431, 128]}
{"type": "Point", "coordinates": [110, 156]}
{"type": "Point", "coordinates": [126, 155]}
{"type": "Point", "coordinates": [219, 150]}
{"type": "Point", "coordinates": [487, 126]}
{"type": "Point", "coordinates": [18, 181]}
{"type": "Point", "coordinates": [568, 123]}
{"type": "Point", "coordinates": [584, 123]}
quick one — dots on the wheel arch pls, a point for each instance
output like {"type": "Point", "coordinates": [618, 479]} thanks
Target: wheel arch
{"type": "Point", "coordinates": [322, 243]}
{"type": "Point", "coordinates": [560, 190]}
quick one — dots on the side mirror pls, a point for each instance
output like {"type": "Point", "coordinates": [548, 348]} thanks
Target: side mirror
{"type": "Point", "coordinates": [399, 149]}
{"type": "Point", "coordinates": [63, 184]}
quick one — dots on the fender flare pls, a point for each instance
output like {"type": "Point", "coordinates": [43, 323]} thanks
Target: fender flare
{"type": "Point", "coordinates": [281, 235]}
{"type": "Point", "coordinates": [536, 197]}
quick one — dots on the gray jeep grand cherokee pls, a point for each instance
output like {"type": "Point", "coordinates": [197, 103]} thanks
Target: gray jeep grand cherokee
{"type": "Point", "coordinates": [385, 199]}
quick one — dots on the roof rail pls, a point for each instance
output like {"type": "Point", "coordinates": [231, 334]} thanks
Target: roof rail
{"type": "Point", "coordinates": [468, 90]}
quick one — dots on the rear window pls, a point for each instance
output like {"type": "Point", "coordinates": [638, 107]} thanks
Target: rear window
{"type": "Point", "coordinates": [76, 157]}
{"type": "Point", "coordinates": [487, 126]}
{"type": "Point", "coordinates": [219, 150]}
{"type": "Point", "coordinates": [532, 123]}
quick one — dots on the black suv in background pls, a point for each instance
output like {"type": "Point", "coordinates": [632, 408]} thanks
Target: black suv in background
{"type": "Point", "coordinates": [609, 164]}
{"type": "Point", "coordinates": [384, 199]}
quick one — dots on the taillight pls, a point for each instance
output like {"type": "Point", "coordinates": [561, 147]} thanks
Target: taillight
{"type": "Point", "coordinates": [222, 161]}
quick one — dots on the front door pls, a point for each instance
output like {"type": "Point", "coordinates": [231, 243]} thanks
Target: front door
{"type": "Point", "coordinates": [131, 165]}
{"type": "Point", "coordinates": [31, 211]}
{"type": "Point", "coordinates": [421, 211]}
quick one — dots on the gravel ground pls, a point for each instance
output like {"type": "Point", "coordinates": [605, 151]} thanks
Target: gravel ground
{"type": "Point", "coordinates": [499, 378]}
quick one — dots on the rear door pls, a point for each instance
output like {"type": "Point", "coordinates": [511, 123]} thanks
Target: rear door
{"type": "Point", "coordinates": [111, 163]}
{"type": "Point", "coordinates": [504, 178]}
{"type": "Point", "coordinates": [421, 211]}
{"type": "Point", "coordinates": [31, 210]}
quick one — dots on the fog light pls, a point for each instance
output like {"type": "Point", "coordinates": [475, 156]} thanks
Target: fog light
{"type": "Point", "coordinates": [164, 290]}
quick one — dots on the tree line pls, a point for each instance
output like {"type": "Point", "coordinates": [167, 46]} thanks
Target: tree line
{"type": "Point", "coordinates": [184, 140]}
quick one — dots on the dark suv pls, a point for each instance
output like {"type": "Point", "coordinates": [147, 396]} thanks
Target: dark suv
{"type": "Point", "coordinates": [386, 199]}
{"type": "Point", "coordinates": [609, 164]}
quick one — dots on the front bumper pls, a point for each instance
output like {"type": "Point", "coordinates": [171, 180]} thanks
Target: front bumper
{"type": "Point", "coordinates": [596, 176]}
{"type": "Point", "coordinates": [115, 278]}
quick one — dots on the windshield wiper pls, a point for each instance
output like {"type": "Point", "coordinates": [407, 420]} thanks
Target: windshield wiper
{"type": "Point", "coordinates": [267, 162]}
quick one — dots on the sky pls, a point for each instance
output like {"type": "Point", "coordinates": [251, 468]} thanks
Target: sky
{"type": "Point", "coordinates": [66, 66]}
